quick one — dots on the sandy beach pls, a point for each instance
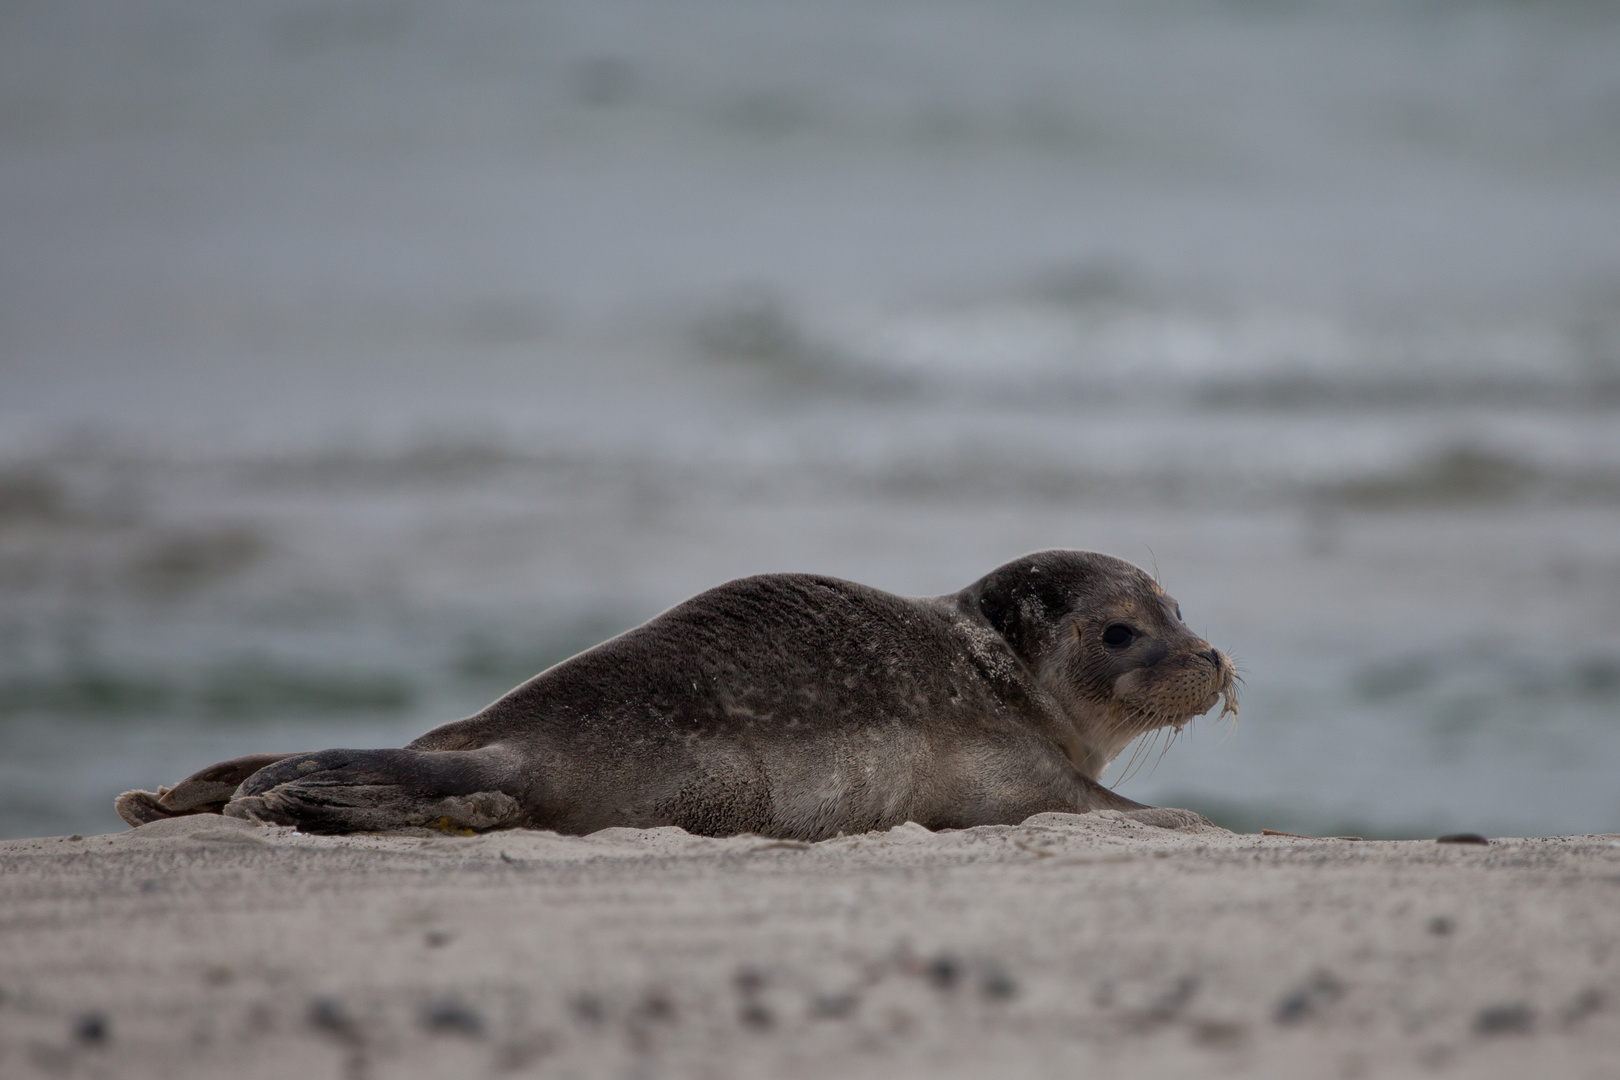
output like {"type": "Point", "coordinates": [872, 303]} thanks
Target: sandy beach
{"type": "Point", "coordinates": [1068, 945]}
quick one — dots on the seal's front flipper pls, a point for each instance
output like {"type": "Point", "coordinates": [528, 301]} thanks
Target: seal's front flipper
{"type": "Point", "coordinates": [339, 791]}
{"type": "Point", "coordinates": [203, 792]}
{"type": "Point", "coordinates": [1166, 817]}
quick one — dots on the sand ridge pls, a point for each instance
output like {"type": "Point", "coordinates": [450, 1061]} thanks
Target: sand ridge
{"type": "Point", "coordinates": [1068, 944]}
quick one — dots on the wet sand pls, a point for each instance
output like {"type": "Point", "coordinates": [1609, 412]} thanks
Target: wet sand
{"type": "Point", "coordinates": [1066, 946]}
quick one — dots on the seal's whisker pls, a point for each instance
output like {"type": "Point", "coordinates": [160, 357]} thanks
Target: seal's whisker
{"type": "Point", "coordinates": [1143, 751]}
{"type": "Point", "coordinates": [1168, 743]}
{"type": "Point", "coordinates": [1169, 734]}
{"type": "Point", "coordinates": [1130, 768]}
{"type": "Point", "coordinates": [1130, 763]}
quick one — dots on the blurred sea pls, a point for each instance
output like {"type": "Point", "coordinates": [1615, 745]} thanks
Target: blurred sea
{"type": "Point", "coordinates": [360, 359]}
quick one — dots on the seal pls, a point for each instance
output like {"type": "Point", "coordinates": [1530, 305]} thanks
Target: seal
{"type": "Point", "coordinates": [787, 705]}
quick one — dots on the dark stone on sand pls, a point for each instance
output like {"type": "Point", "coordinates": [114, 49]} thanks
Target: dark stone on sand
{"type": "Point", "coordinates": [448, 1017]}
{"type": "Point", "coordinates": [1294, 1007]}
{"type": "Point", "coordinates": [1305, 1001]}
{"type": "Point", "coordinates": [328, 1015]}
{"type": "Point", "coordinates": [1220, 1033]}
{"type": "Point", "coordinates": [92, 1029]}
{"type": "Point", "coordinates": [997, 985]}
{"type": "Point", "coordinates": [658, 1006]}
{"type": "Point", "coordinates": [1586, 1003]}
{"type": "Point", "coordinates": [1514, 1019]}
{"type": "Point", "coordinates": [1174, 1002]}
{"type": "Point", "coordinates": [588, 1009]}
{"type": "Point", "coordinates": [834, 1006]}
{"type": "Point", "coordinates": [1461, 838]}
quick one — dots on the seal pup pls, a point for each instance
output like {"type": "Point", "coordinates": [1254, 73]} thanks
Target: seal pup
{"type": "Point", "coordinates": [787, 705]}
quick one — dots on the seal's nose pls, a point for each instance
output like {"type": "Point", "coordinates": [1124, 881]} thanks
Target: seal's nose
{"type": "Point", "coordinates": [1216, 657]}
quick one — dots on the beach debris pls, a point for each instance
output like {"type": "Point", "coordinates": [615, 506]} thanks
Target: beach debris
{"type": "Point", "coordinates": [327, 1015]}
{"type": "Point", "coordinates": [944, 972]}
{"type": "Point", "coordinates": [1516, 1018]}
{"type": "Point", "coordinates": [655, 1009]}
{"type": "Point", "coordinates": [588, 1009]}
{"type": "Point", "coordinates": [995, 984]}
{"type": "Point", "coordinates": [92, 1029]}
{"type": "Point", "coordinates": [1178, 998]}
{"type": "Point", "coordinates": [658, 1006]}
{"type": "Point", "coordinates": [1461, 838]}
{"type": "Point", "coordinates": [753, 1012]}
{"type": "Point", "coordinates": [1220, 1033]}
{"type": "Point", "coordinates": [1309, 999]}
{"type": "Point", "coordinates": [1586, 1003]}
{"type": "Point", "coordinates": [749, 980]}
{"type": "Point", "coordinates": [519, 1053]}
{"type": "Point", "coordinates": [755, 1015]}
{"type": "Point", "coordinates": [1165, 1009]}
{"type": "Point", "coordinates": [834, 1006]}
{"type": "Point", "coordinates": [1436, 1055]}
{"type": "Point", "coordinates": [447, 1016]}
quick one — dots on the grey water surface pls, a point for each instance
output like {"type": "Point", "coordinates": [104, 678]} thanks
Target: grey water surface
{"type": "Point", "coordinates": [360, 359]}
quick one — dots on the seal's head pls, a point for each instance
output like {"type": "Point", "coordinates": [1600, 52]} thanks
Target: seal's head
{"type": "Point", "coordinates": [1106, 641]}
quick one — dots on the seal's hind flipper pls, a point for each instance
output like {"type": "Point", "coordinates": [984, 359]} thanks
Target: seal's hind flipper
{"type": "Point", "coordinates": [208, 790]}
{"type": "Point", "coordinates": [339, 791]}
{"type": "Point", "coordinates": [203, 792]}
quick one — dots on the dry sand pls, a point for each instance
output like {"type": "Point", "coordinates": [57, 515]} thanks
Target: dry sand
{"type": "Point", "coordinates": [1066, 946]}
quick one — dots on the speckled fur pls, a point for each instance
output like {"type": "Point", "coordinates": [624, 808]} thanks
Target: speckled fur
{"type": "Point", "coordinates": [796, 706]}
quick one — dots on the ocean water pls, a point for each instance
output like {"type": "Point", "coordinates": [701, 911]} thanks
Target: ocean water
{"type": "Point", "coordinates": [359, 360]}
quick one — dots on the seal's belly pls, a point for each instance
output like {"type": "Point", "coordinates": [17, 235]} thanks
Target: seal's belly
{"type": "Point", "coordinates": [779, 783]}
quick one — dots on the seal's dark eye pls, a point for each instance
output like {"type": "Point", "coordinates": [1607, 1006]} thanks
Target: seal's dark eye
{"type": "Point", "coordinates": [1118, 635]}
